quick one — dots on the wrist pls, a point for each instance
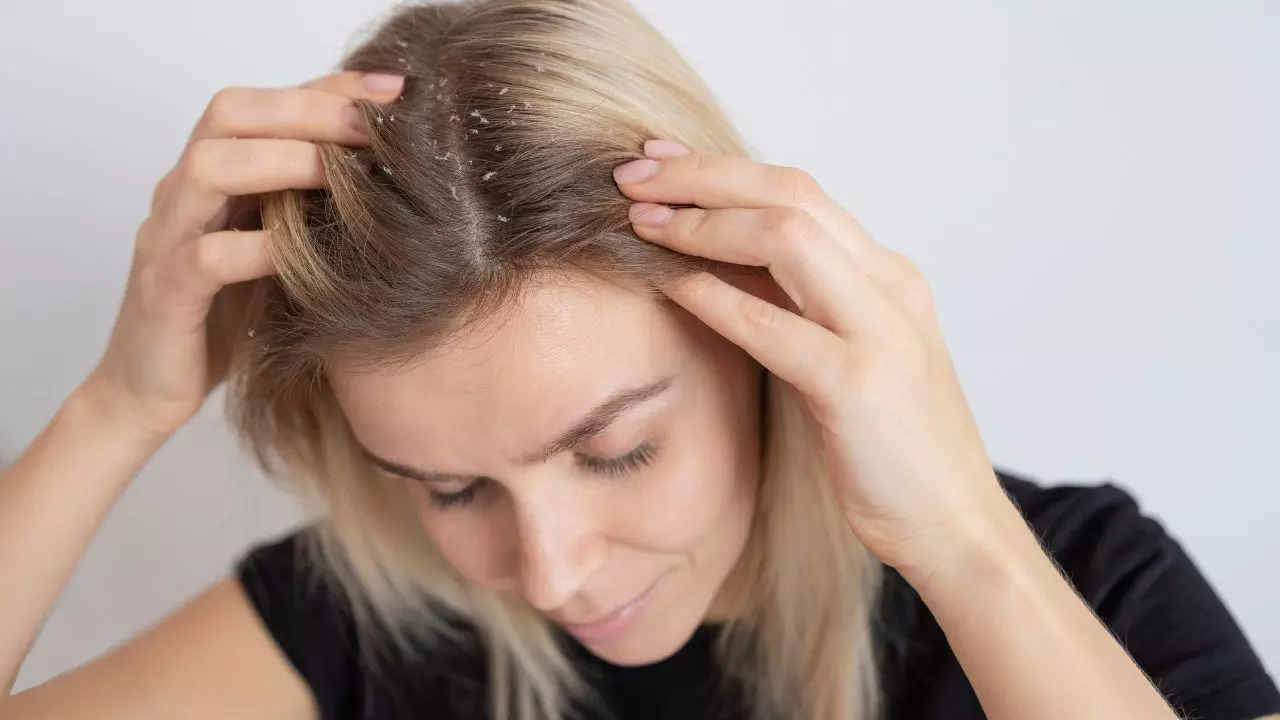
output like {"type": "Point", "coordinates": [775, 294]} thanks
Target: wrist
{"type": "Point", "coordinates": [95, 404]}
{"type": "Point", "coordinates": [992, 546]}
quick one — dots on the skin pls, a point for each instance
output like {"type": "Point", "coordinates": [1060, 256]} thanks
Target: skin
{"type": "Point", "coordinates": [851, 327]}
{"type": "Point", "coordinates": [574, 542]}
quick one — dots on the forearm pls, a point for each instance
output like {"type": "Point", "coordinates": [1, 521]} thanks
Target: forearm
{"type": "Point", "coordinates": [1028, 643]}
{"type": "Point", "coordinates": [52, 501]}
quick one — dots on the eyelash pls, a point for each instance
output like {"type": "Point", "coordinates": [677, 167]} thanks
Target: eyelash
{"type": "Point", "coordinates": [613, 467]}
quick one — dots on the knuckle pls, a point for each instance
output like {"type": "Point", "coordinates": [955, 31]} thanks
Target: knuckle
{"type": "Point", "coordinates": [758, 315]}
{"type": "Point", "coordinates": [157, 194]}
{"type": "Point", "coordinates": [207, 256]}
{"type": "Point", "coordinates": [790, 224]}
{"type": "Point", "coordinates": [222, 107]}
{"type": "Point", "coordinates": [915, 289]}
{"type": "Point", "coordinates": [798, 186]}
{"type": "Point", "coordinates": [146, 236]}
{"type": "Point", "coordinates": [196, 166]}
{"type": "Point", "coordinates": [690, 223]}
{"type": "Point", "coordinates": [151, 289]}
{"type": "Point", "coordinates": [697, 162]}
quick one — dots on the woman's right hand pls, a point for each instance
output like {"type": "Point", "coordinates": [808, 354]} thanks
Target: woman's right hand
{"type": "Point", "coordinates": [157, 368]}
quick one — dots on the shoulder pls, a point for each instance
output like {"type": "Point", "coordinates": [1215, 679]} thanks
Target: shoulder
{"type": "Point", "coordinates": [1138, 580]}
{"type": "Point", "coordinates": [356, 669]}
{"type": "Point", "coordinates": [1146, 588]}
{"type": "Point", "coordinates": [303, 613]}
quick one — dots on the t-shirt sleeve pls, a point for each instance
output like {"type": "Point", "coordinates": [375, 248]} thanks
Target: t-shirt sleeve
{"type": "Point", "coordinates": [303, 615]}
{"type": "Point", "coordinates": [1158, 604]}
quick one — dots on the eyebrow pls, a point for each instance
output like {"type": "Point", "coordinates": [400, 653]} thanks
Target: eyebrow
{"type": "Point", "coordinates": [592, 424]}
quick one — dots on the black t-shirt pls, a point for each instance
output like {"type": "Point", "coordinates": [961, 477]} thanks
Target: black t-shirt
{"type": "Point", "coordinates": [1135, 576]}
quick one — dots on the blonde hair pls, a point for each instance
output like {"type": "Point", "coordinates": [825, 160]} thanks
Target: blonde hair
{"type": "Point", "coordinates": [492, 168]}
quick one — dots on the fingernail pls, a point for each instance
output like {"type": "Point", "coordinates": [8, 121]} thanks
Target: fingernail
{"type": "Point", "coordinates": [381, 82]}
{"type": "Point", "coordinates": [355, 119]}
{"type": "Point", "coordinates": [662, 149]}
{"type": "Point", "coordinates": [635, 171]}
{"type": "Point", "coordinates": [651, 214]}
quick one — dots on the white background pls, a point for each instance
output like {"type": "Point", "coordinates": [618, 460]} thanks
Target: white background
{"type": "Point", "coordinates": [1091, 188]}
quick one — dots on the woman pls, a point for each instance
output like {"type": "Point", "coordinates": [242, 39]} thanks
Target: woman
{"type": "Point", "coordinates": [598, 416]}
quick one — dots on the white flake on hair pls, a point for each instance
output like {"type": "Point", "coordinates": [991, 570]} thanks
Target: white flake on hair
{"type": "Point", "coordinates": [402, 43]}
{"type": "Point", "coordinates": [453, 191]}
{"type": "Point", "coordinates": [513, 107]}
{"type": "Point", "coordinates": [475, 131]}
{"type": "Point", "coordinates": [539, 68]}
{"type": "Point", "coordinates": [498, 147]}
{"type": "Point", "coordinates": [454, 118]}
{"type": "Point", "coordinates": [386, 169]}
{"type": "Point", "coordinates": [379, 119]}
{"type": "Point", "coordinates": [251, 332]}
{"type": "Point", "coordinates": [503, 218]}
{"type": "Point", "coordinates": [527, 105]}
{"type": "Point", "coordinates": [476, 114]}
{"type": "Point", "coordinates": [488, 175]}
{"type": "Point", "coordinates": [503, 91]}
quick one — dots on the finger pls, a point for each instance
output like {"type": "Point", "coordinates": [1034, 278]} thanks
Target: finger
{"type": "Point", "coordinates": [215, 169]}
{"type": "Point", "coordinates": [378, 87]}
{"type": "Point", "coordinates": [321, 109]}
{"type": "Point", "coordinates": [301, 113]}
{"type": "Point", "coordinates": [675, 176]}
{"type": "Point", "coordinates": [195, 271]}
{"type": "Point", "coordinates": [795, 349]}
{"type": "Point", "coordinates": [819, 275]}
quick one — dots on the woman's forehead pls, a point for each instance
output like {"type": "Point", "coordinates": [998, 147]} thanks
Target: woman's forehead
{"type": "Point", "coordinates": [562, 350]}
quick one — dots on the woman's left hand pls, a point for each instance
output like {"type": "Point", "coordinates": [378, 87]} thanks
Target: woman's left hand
{"type": "Point", "coordinates": [856, 335]}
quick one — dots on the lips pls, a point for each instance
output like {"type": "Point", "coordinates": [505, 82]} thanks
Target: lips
{"type": "Point", "coordinates": [614, 622]}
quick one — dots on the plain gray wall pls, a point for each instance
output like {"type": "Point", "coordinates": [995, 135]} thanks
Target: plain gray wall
{"type": "Point", "coordinates": [1090, 188]}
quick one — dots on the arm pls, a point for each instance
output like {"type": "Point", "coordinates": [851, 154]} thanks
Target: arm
{"type": "Point", "coordinates": [1146, 591]}
{"type": "Point", "coordinates": [212, 659]}
{"type": "Point", "coordinates": [852, 326]}
{"type": "Point", "coordinates": [209, 660]}
{"type": "Point", "coordinates": [59, 492]}
{"type": "Point", "coordinates": [1030, 646]}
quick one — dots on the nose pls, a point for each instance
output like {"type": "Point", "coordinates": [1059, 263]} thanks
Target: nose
{"type": "Point", "coordinates": [560, 547]}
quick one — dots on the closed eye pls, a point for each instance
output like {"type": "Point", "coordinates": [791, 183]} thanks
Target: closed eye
{"type": "Point", "coordinates": [623, 464]}
{"type": "Point", "coordinates": [633, 461]}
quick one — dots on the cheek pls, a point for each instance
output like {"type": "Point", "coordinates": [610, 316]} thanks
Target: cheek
{"type": "Point", "coordinates": [701, 488]}
{"type": "Point", "coordinates": [466, 541]}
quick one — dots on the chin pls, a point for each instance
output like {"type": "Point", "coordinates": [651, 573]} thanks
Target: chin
{"type": "Point", "coordinates": [641, 649]}
{"type": "Point", "coordinates": [652, 638]}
